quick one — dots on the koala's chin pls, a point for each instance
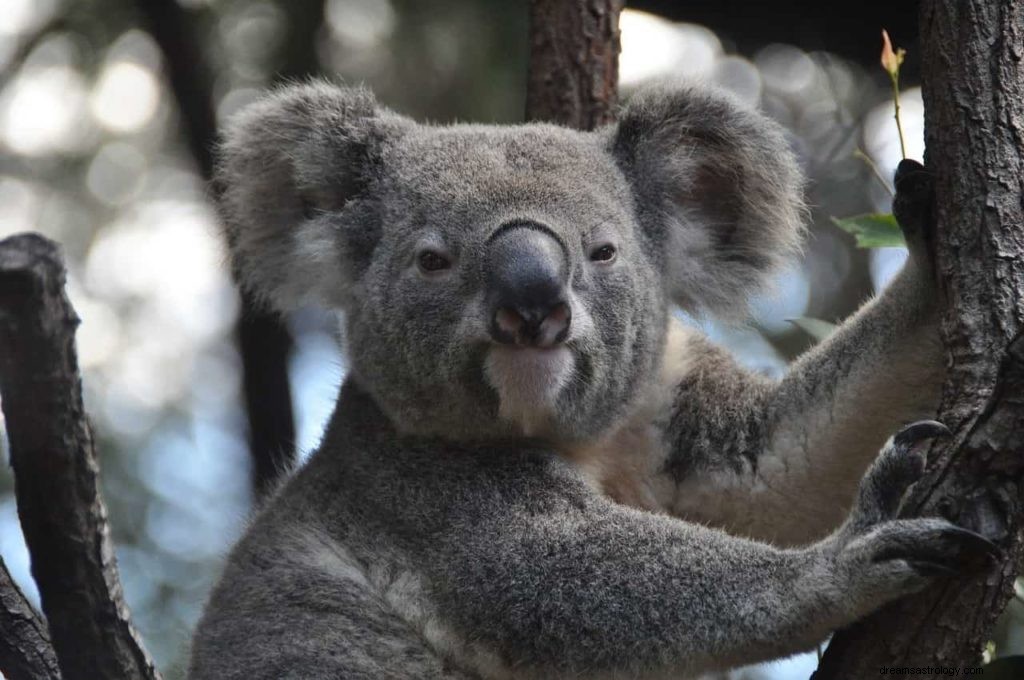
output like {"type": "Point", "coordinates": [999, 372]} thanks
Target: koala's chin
{"type": "Point", "coordinates": [528, 382]}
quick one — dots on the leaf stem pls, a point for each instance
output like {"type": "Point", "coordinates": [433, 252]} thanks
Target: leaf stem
{"type": "Point", "coordinates": [895, 78]}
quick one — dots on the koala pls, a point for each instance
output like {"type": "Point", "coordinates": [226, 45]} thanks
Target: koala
{"type": "Point", "coordinates": [533, 470]}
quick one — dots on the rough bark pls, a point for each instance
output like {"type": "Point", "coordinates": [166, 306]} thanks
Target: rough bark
{"type": "Point", "coordinates": [574, 62]}
{"type": "Point", "coordinates": [55, 470]}
{"type": "Point", "coordinates": [973, 80]}
{"type": "Point", "coordinates": [263, 340]}
{"type": "Point", "coordinates": [25, 649]}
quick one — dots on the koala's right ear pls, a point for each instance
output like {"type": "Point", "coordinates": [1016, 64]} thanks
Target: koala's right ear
{"type": "Point", "coordinates": [718, 192]}
{"type": "Point", "coordinates": [290, 167]}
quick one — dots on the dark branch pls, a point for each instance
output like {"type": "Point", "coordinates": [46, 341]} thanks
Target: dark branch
{"type": "Point", "coordinates": [973, 88]}
{"type": "Point", "coordinates": [25, 649]}
{"type": "Point", "coordinates": [574, 62]}
{"type": "Point", "coordinates": [55, 469]}
{"type": "Point", "coordinates": [263, 340]}
{"type": "Point", "coordinates": [188, 74]}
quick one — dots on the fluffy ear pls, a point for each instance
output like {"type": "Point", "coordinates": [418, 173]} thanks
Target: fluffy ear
{"type": "Point", "coordinates": [717, 190]}
{"type": "Point", "coordinates": [291, 171]}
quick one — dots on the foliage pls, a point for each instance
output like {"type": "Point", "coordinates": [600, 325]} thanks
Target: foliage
{"type": "Point", "coordinates": [872, 230]}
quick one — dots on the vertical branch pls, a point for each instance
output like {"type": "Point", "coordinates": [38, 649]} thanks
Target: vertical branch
{"type": "Point", "coordinates": [55, 470]}
{"type": "Point", "coordinates": [973, 88]}
{"type": "Point", "coordinates": [263, 341]}
{"type": "Point", "coordinates": [25, 649]}
{"type": "Point", "coordinates": [574, 62]}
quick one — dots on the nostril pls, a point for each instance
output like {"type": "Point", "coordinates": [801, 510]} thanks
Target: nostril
{"type": "Point", "coordinates": [543, 327]}
{"type": "Point", "coordinates": [508, 322]}
{"type": "Point", "coordinates": [554, 328]}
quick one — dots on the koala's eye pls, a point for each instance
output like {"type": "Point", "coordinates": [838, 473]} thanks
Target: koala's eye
{"type": "Point", "coordinates": [605, 253]}
{"type": "Point", "coordinates": [431, 261]}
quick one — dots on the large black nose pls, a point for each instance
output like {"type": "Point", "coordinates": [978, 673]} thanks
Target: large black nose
{"type": "Point", "coordinates": [526, 277]}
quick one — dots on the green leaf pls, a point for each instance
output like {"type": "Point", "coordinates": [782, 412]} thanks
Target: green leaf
{"type": "Point", "coordinates": [816, 328]}
{"type": "Point", "coordinates": [874, 230]}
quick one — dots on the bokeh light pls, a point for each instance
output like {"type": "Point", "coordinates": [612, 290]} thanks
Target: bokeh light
{"type": "Point", "coordinates": [125, 98]}
{"type": "Point", "coordinates": [41, 111]}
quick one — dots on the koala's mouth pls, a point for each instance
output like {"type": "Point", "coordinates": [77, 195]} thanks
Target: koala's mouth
{"type": "Point", "coordinates": [528, 381]}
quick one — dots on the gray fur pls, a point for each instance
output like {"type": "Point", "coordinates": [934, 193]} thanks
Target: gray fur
{"type": "Point", "coordinates": [705, 166]}
{"type": "Point", "coordinates": [433, 535]}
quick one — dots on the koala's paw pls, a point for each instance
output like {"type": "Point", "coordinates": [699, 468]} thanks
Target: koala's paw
{"type": "Point", "coordinates": [912, 204]}
{"type": "Point", "coordinates": [881, 558]}
{"type": "Point", "coordinates": [903, 556]}
{"type": "Point", "coordinates": [900, 464]}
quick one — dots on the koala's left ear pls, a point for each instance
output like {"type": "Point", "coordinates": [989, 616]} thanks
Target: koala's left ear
{"type": "Point", "coordinates": [717, 191]}
{"type": "Point", "coordinates": [294, 178]}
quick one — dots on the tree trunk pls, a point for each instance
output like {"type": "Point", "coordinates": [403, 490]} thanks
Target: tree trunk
{"type": "Point", "coordinates": [973, 85]}
{"type": "Point", "coordinates": [574, 62]}
{"type": "Point", "coordinates": [56, 471]}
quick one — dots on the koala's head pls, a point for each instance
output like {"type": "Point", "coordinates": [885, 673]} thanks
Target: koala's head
{"type": "Point", "coordinates": [502, 281]}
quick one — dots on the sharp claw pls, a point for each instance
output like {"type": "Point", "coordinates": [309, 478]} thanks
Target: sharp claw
{"type": "Point", "coordinates": [975, 542]}
{"type": "Point", "coordinates": [906, 168]}
{"type": "Point", "coordinates": [969, 545]}
{"type": "Point", "coordinates": [919, 431]}
{"type": "Point", "coordinates": [908, 165]}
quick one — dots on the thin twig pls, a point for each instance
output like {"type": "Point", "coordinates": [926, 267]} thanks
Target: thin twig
{"type": "Point", "coordinates": [896, 114]}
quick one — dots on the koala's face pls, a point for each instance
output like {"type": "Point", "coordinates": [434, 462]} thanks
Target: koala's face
{"type": "Point", "coordinates": [505, 281]}
{"type": "Point", "coordinates": [509, 291]}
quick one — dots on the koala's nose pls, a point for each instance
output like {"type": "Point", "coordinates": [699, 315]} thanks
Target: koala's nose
{"type": "Point", "coordinates": [525, 278]}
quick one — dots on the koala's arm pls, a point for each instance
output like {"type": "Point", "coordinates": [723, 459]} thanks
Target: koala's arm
{"type": "Point", "coordinates": [621, 592]}
{"type": "Point", "coordinates": [781, 460]}
{"type": "Point", "coordinates": [597, 589]}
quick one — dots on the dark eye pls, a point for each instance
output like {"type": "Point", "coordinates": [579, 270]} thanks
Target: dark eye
{"type": "Point", "coordinates": [605, 253]}
{"type": "Point", "coordinates": [431, 261]}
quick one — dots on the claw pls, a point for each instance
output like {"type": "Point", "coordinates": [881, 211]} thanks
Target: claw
{"type": "Point", "coordinates": [919, 431]}
{"type": "Point", "coordinates": [910, 176]}
{"type": "Point", "coordinates": [967, 546]}
{"type": "Point", "coordinates": [973, 542]}
{"type": "Point", "coordinates": [906, 167]}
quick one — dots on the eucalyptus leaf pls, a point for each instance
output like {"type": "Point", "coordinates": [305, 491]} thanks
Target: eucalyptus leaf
{"type": "Point", "coordinates": [873, 230]}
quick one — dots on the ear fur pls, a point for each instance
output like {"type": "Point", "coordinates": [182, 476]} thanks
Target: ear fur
{"type": "Point", "coordinates": [718, 192]}
{"type": "Point", "coordinates": [289, 168]}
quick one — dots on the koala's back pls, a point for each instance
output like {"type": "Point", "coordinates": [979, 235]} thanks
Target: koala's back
{"type": "Point", "coordinates": [276, 616]}
{"type": "Point", "coordinates": [298, 600]}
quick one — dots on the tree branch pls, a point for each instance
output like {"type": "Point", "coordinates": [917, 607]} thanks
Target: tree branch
{"type": "Point", "coordinates": [973, 88]}
{"type": "Point", "coordinates": [263, 341]}
{"type": "Point", "coordinates": [574, 62]}
{"type": "Point", "coordinates": [25, 649]}
{"type": "Point", "coordinates": [55, 470]}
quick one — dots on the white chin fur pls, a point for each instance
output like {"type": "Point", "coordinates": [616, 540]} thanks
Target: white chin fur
{"type": "Point", "coordinates": [528, 382]}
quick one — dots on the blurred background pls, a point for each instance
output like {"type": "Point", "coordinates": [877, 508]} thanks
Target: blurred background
{"type": "Point", "coordinates": [108, 109]}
